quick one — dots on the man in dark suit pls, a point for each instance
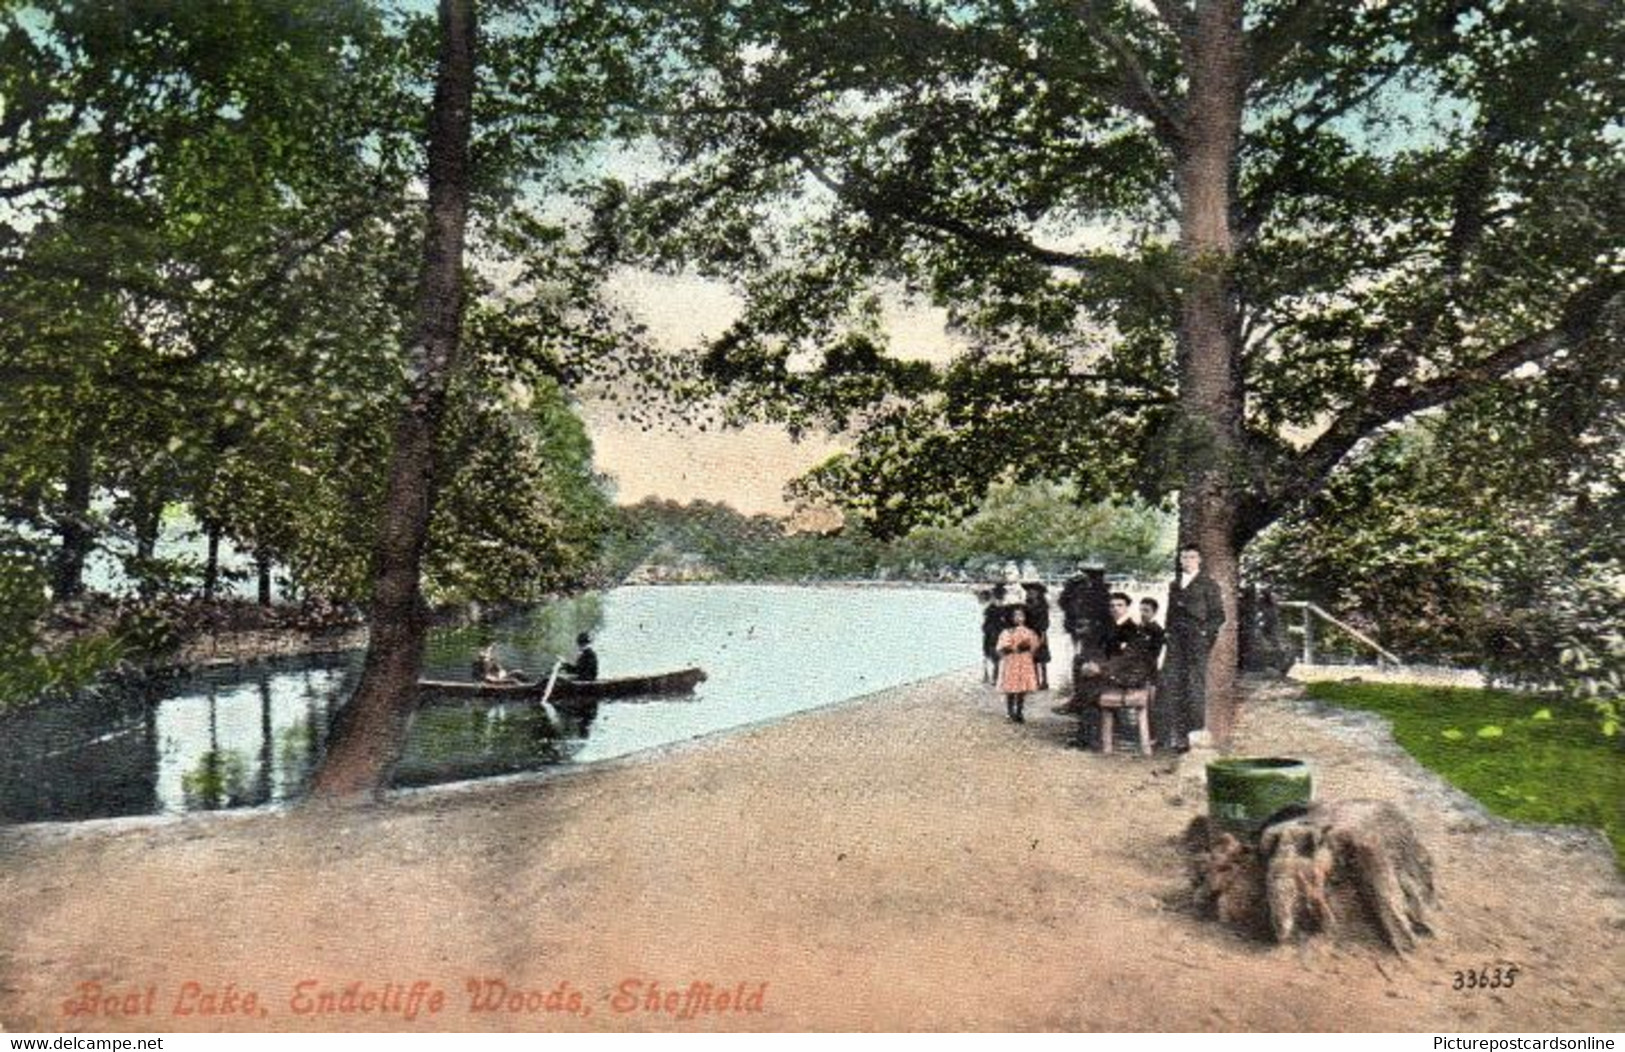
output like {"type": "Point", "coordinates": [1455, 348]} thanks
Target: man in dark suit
{"type": "Point", "coordinates": [1152, 636]}
{"type": "Point", "coordinates": [1195, 612]}
{"type": "Point", "coordinates": [992, 625]}
{"type": "Point", "coordinates": [1036, 604]}
{"type": "Point", "coordinates": [585, 666]}
{"type": "Point", "coordinates": [1084, 608]}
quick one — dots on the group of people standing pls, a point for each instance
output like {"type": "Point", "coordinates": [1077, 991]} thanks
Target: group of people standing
{"type": "Point", "coordinates": [1112, 649]}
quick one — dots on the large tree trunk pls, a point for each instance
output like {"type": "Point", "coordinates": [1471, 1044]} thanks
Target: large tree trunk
{"type": "Point", "coordinates": [369, 733]}
{"type": "Point", "coordinates": [262, 569]}
{"type": "Point", "coordinates": [1210, 389]}
{"type": "Point", "coordinates": [147, 519]}
{"type": "Point", "coordinates": [67, 576]}
{"type": "Point", "coordinates": [211, 563]}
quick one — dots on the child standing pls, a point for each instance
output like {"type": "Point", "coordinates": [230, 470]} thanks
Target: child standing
{"type": "Point", "coordinates": [1018, 676]}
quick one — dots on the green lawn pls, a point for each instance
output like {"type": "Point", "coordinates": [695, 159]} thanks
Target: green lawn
{"type": "Point", "coordinates": [1524, 756]}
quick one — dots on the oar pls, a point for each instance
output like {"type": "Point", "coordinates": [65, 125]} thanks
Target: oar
{"type": "Point", "coordinates": [552, 679]}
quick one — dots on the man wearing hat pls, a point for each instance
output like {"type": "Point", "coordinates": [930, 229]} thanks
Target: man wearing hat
{"type": "Point", "coordinates": [585, 666]}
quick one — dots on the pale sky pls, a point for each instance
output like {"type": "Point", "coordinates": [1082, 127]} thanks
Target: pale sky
{"type": "Point", "coordinates": [749, 467]}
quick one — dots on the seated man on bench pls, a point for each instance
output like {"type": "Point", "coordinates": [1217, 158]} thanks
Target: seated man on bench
{"type": "Point", "coordinates": [1127, 664]}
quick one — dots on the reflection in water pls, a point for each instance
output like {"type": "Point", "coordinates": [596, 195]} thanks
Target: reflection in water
{"type": "Point", "coordinates": [220, 777]}
{"type": "Point", "coordinates": [251, 735]}
{"type": "Point", "coordinates": [454, 741]}
{"type": "Point", "coordinates": [244, 744]}
{"type": "Point", "coordinates": [219, 780]}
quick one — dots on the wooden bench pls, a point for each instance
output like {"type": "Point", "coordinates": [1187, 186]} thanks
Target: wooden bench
{"type": "Point", "coordinates": [1134, 699]}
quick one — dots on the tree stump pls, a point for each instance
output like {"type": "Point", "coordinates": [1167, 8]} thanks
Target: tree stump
{"type": "Point", "coordinates": [1317, 868]}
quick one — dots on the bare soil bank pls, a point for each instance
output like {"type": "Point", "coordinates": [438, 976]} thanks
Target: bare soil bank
{"type": "Point", "coordinates": [909, 861]}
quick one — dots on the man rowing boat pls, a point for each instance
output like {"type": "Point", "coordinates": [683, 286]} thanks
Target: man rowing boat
{"type": "Point", "coordinates": [585, 666]}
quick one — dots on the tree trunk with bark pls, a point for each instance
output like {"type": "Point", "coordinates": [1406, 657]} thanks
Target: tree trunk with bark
{"type": "Point", "coordinates": [211, 565]}
{"type": "Point", "coordinates": [1210, 385]}
{"type": "Point", "coordinates": [369, 733]}
{"type": "Point", "coordinates": [1320, 868]}
{"type": "Point", "coordinates": [147, 519]}
{"type": "Point", "coordinates": [67, 577]}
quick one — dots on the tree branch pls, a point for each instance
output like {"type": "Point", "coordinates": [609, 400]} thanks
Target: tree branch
{"type": "Point", "coordinates": [286, 260]}
{"type": "Point", "coordinates": [1136, 92]}
{"type": "Point", "coordinates": [1156, 394]}
{"type": "Point", "coordinates": [1468, 222]}
{"type": "Point", "coordinates": [96, 277]}
{"type": "Point", "coordinates": [35, 185]}
{"type": "Point", "coordinates": [1392, 401]}
{"type": "Point", "coordinates": [1270, 43]}
{"type": "Point", "coordinates": [906, 207]}
{"type": "Point", "coordinates": [1091, 382]}
{"type": "Point", "coordinates": [1321, 111]}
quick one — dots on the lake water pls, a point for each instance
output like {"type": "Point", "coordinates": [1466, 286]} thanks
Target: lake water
{"type": "Point", "coordinates": [250, 735]}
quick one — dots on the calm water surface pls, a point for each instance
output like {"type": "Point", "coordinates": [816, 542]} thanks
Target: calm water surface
{"type": "Point", "coordinates": [250, 735]}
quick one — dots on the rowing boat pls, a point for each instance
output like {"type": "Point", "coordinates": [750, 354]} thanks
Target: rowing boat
{"type": "Point", "coordinates": [683, 681]}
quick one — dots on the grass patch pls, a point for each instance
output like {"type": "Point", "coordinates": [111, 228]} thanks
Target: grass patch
{"type": "Point", "coordinates": [1524, 756]}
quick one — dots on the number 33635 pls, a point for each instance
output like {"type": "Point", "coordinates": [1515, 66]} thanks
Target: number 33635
{"type": "Point", "coordinates": [1486, 978]}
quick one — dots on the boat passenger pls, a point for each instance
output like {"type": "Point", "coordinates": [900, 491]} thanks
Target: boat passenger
{"type": "Point", "coordinates": [487, 669]}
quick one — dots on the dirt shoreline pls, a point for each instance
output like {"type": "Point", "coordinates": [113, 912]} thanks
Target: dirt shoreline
{"type": "Point", "coordinates": [241, 647]}
{"type": "Point", "coordinates": [909, 861]}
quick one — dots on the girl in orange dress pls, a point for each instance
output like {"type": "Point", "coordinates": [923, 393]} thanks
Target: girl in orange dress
{"type": "Point", "coordinates": [1018, 676]}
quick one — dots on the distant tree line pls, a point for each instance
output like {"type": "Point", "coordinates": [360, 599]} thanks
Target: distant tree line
{"type": "Point", "coordinates": [1043, 524]}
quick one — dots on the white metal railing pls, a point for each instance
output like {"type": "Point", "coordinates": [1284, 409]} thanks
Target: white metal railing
{"type": "Point", "coordinates": [1312, 612]}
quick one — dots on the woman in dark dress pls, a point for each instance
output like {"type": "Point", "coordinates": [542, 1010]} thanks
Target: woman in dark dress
{"type": "Point", "coordinates": [992, 625]}
{"type": "Point", "coordinates": [1037, 608]}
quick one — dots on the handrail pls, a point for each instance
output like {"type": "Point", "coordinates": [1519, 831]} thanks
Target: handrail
{"type": "Point", "coordinates": [1313, 608]}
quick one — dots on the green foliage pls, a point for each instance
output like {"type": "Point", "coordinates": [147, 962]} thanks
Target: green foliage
{"type": "Point", "coordinates": [1050, 525]}
{"type": "Point", "coordinates": [1043, 523]}
{"type": "Point", "coordinates": [209, 251]}
{"type": "Point", "coordinates": [28, 668]}
{"type": "Point", "coordinates": [523, 512]}
{"type": "Point", "coordinates": [1499, 747]}
{"type": "Point", "coordinates": [185, 259]}
{"type": "Point", "coordinates": [1486, 536]}
{"type": "Point", "coordinates": [1592, 660]}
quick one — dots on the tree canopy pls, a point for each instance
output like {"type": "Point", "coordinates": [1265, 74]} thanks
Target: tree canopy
{"type": "Point", "coordinates": [210, 224]}
{"type": "Point", "coordinates": [1424, 197]}
{"type": "Point", "coordinates": [208, 240]}
{"type": "Point", "coordinates": [1210, 248]}
{"type": "Point", "coordinates": [1200, 246]}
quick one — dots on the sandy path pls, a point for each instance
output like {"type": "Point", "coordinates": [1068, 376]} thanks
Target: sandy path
{"type": "Point", "coordinates": [909, 861]}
